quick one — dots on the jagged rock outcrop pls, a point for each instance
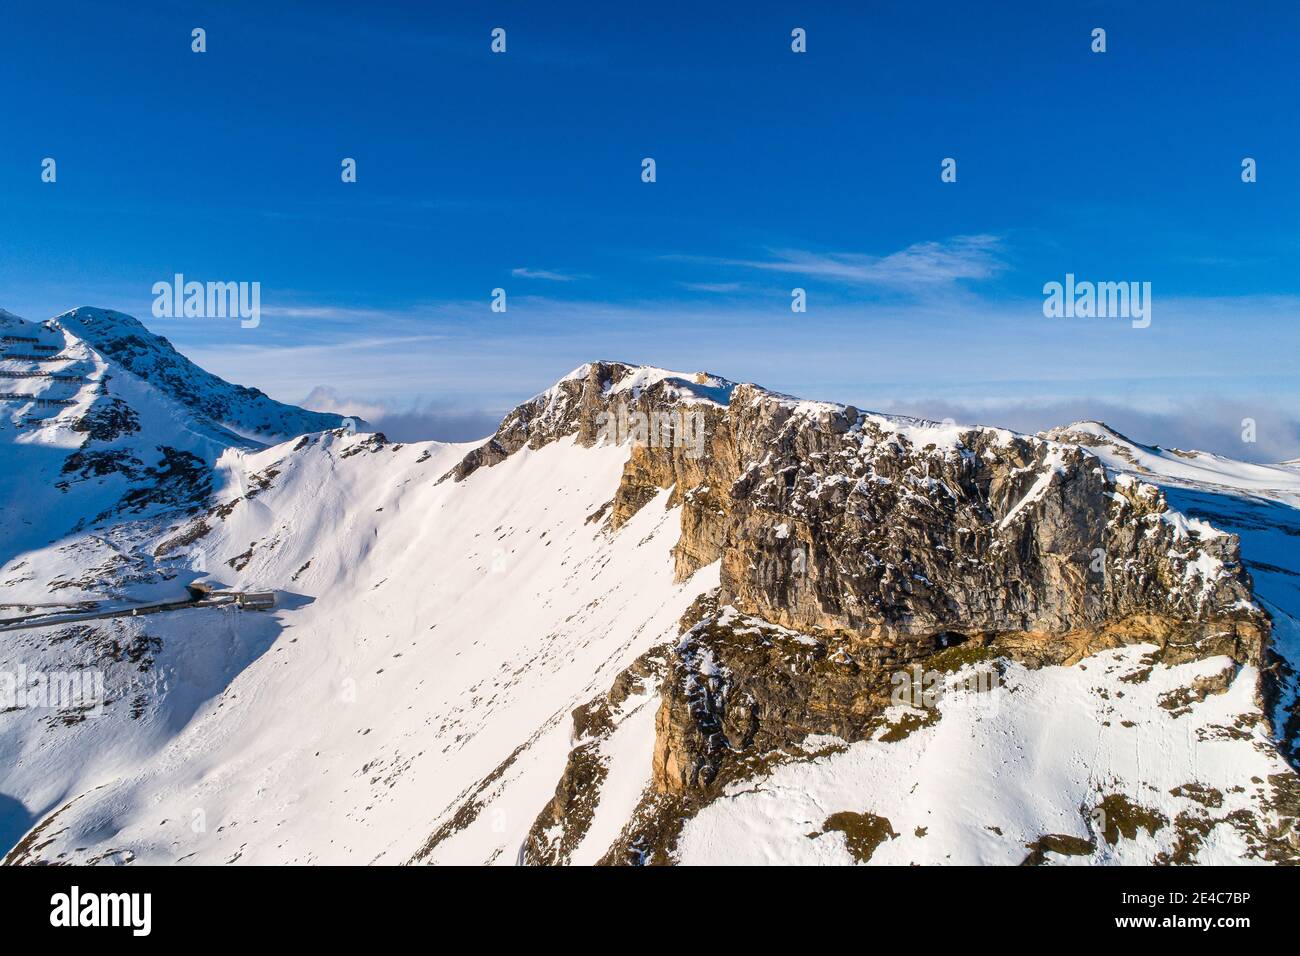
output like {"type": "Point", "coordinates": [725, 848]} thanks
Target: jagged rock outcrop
{"type": "Point", "coordinates": [595, 402]}
{"type": "Point", "coordinates": [827, 517]}
{"type": "Point", "coordinates": [853, 544]}
{"type": "Point", "coordinates": [739, 692]}
{"type": "Point", "coordinates": [567, 816]}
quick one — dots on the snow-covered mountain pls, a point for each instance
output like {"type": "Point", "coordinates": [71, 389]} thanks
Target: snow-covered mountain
{"type": "Point", "coordinates": [657, 617]}
{"type": "Point", "coordinates": [122, 340]}
{"type": "Point", "coordinates": [100, 417]}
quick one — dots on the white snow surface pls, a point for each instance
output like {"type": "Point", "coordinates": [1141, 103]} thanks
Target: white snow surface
{"type": "Point", "coordinates": [438, 628]}
{"type": "Point", "coordinates": [1021, 758]}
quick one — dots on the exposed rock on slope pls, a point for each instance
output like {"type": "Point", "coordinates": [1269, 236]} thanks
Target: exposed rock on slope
{"type": "Point", "coordinates": [899, 530]}
{"type": "Point", "coordinates": [852, 545]}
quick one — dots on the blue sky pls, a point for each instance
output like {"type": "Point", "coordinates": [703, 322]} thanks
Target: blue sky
{"type": "Point", "coordinates": [775, 170]}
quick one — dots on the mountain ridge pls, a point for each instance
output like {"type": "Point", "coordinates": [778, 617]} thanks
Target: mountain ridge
{"type": "Point", "coordinates": [567, 644]}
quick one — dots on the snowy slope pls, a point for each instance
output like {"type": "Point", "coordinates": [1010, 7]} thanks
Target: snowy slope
{"type": "Point", "coordinates": [430, 632]}
{"type": "Point", "coordinates": [1001, 769]}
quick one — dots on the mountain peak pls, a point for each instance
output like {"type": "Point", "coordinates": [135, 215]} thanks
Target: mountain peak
{"type": "Point", "coordinates": [127, 342]}
{"type": "Point", "coordinates": [630, 378]}
{"type": "Point", "coordinates": [101, 417]}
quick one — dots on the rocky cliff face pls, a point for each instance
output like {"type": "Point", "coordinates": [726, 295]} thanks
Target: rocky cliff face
{"type": "Point", "coordinates": [854, 544]}
{"type": "Point", "coordinates": [899, 530]}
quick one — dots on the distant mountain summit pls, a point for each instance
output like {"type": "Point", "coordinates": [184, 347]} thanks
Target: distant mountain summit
{"type": "Point", "coordinates": [100, 417]}
{"type": "Point", "coordinates": [124, 340]}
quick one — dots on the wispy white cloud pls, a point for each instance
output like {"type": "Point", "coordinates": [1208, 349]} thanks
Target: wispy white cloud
{"type": "Point", "coordinates": [547, 274]}
{"type": "Point", "coordinates": [330, 312]}
{"type": "Point", "coordinates": [922, 265]}
{"type": "Point", "coordinates": [718, 287]}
